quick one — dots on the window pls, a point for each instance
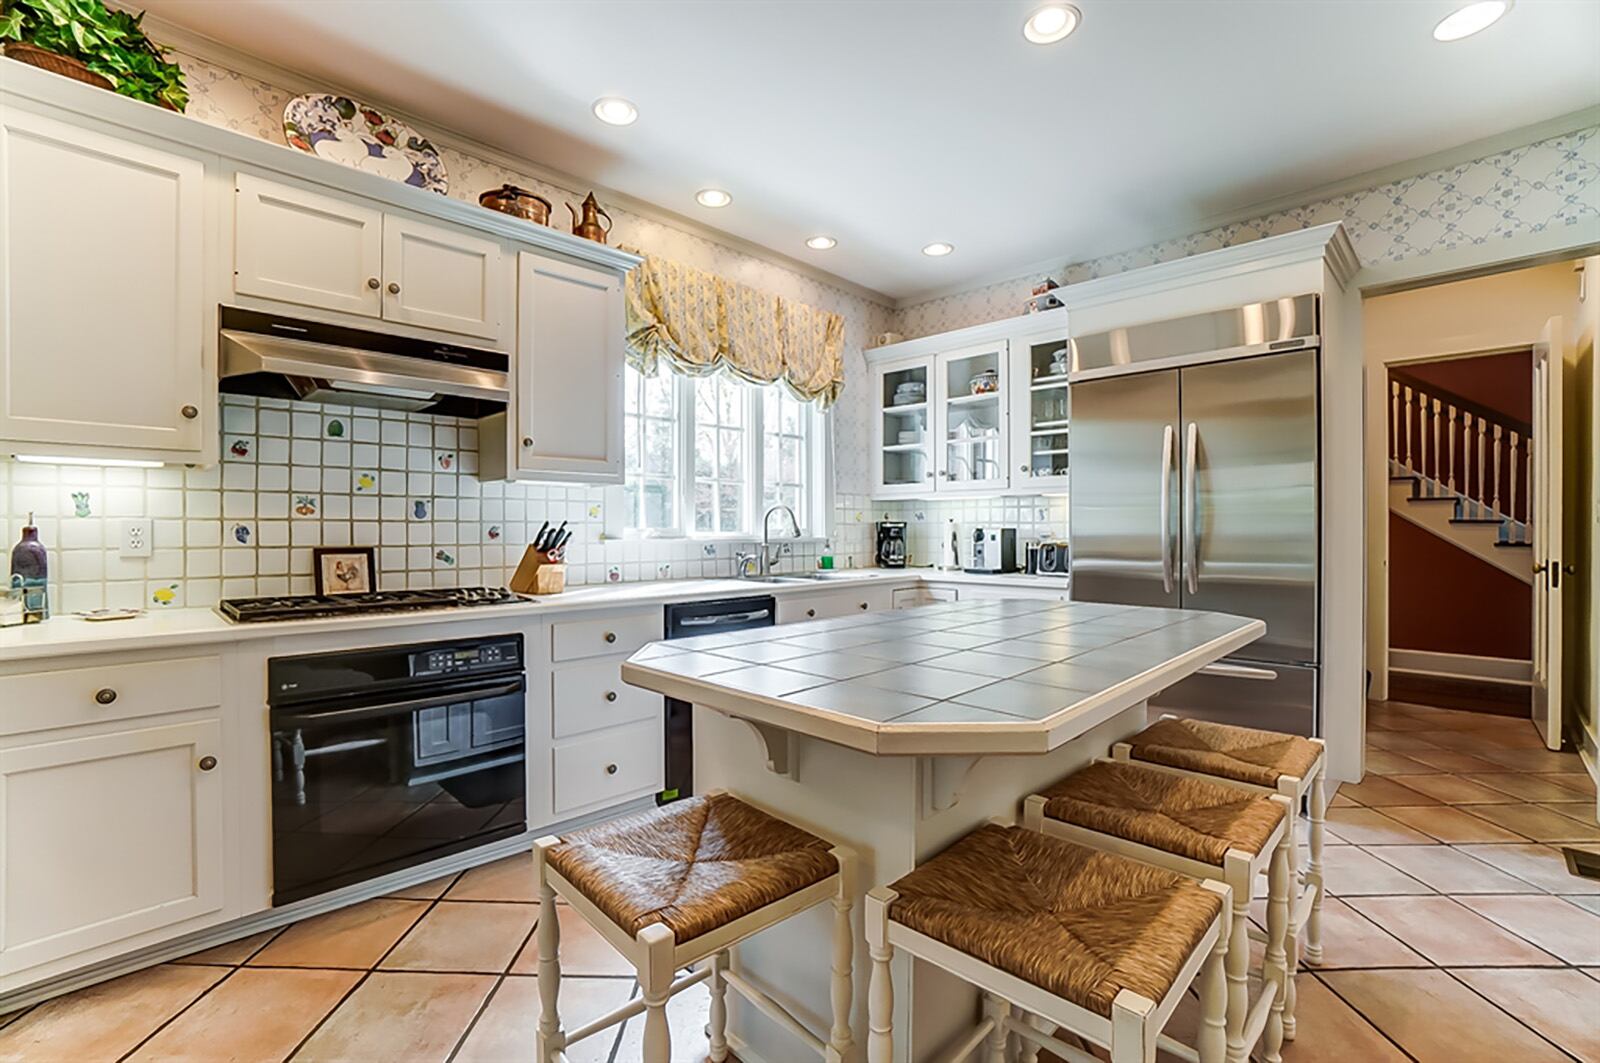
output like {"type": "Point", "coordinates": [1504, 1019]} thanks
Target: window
{"type": "Point", "coordinates": [709, 455]}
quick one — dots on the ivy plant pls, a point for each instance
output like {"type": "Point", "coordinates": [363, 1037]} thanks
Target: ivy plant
{"type": "Point", "coordinates": [111, 43]}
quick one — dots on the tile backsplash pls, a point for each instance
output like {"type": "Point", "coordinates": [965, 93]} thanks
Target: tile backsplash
{"type": "Point", "coordinates": [927, 523]}
{"type": "Point", "coordinates": [294, 476]}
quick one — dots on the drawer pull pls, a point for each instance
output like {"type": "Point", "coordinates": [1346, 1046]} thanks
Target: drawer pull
{"type": "Point", "coordinates": [863, 605]}
{"type": "Point", "coordinates": [610, 636]}
{"type": "Point", "coordinates": [811, 612]}
{"type": "Point", "coordinates": [611, 769]}
{"type": "Point", "coordinates": [105, 695]}
{"type": "Point", "coordinates": [207, 763]}
{"type": "Point", "coordinates": [611, 695]}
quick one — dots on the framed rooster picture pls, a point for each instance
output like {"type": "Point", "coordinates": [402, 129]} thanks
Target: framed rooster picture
{"type": "Point", "coordinates": [344, 569]}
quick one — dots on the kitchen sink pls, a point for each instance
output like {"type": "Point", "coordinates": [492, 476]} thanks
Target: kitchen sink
{"type": "Point", "coordinates": [810, 577]}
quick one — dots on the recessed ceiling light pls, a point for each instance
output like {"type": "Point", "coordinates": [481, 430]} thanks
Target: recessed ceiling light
{"type": "Point", "coordinates": [1466, 21]}
{"type": "Point", "coordinates": [938, 249]}
{"type": "Point", "coordinates": [712, 197]}
{"type": "Point", "coordinates": [1051, 23]}
{"type": "Point", "coordinates": [821, 243]}
{"type": "Point", "coordinates": [614, 110]}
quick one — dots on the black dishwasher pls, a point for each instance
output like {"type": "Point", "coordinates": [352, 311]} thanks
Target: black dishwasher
{"type": "Point", "coordinates": [688, 620]}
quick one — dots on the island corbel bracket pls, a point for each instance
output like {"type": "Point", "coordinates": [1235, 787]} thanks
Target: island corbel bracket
{"type": "Point", "coordinates": [943, 779]}
{"type": "Point", "coordinates": [777, 743]}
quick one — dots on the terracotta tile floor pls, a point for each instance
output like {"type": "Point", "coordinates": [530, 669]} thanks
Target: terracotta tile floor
{"type": "Point", "coordinates": [1454, 934]}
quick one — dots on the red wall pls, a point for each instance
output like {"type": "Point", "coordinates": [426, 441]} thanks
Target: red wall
{"type": "Point", "coordinates": [1443, 599]}
{"type": "Point", "coordinates": [1502, 382]}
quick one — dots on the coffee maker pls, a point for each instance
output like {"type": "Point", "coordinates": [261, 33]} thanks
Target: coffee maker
{"type": "Point", "coordinates": [891, 552]}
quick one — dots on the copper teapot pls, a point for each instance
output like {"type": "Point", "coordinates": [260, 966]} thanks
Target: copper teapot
{"type": "Point", "coordinates": [589, 226]}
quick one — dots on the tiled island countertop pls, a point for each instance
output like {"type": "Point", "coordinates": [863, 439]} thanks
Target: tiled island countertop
{"type": "Point", "coordinates": [984, 677]}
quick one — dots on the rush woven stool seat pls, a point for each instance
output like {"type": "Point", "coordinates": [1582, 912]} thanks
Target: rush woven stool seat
{"type": "Point", "coordinates": [1265, 761]}
{"type": "Point", "coordinates": [1192, 826]}
{"type": "Point", "coordinates": [1078, 939]}
{"type": "Point", "coordinates": [681, 886]}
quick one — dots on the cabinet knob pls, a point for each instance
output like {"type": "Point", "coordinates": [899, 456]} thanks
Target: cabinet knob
{"type": "Point", "coordinates": [372, 282]}
{"type": "Point", "coordinates": [611, 636]}
{"type": "Point", "coordinates": [189, 413]}
{"type": "Point", "coordinates": [1022, 468]}
{"type": "Point", "coordinates": [611, 769]}
{"type": "Point", "coordinates": [927, 476]}
{"type": "Point", "coordinates": [394, 288]}
{"type": "Point", "coordinates": [105, 695]}
{"type": "Point", "coordinates": [943, 474]}
{"type": "Point", "coordinates": [611, 695]}
{"type": "Point", "coordinates": [207, 763]}
{"type": "Point", "coordinates": [527, 441]}
{"type": "Point", "coordinates": [863, 605]}
{"type": "Point", "coordinates": [811, 612]}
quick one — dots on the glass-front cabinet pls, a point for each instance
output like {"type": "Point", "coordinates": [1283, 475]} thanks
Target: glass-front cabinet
{"type": "Point", "coordinates": [903, 437]}
{"type": "Point", "coordinates": [1040, 412]}
{"type": "Point", "coordinates": [972, 383]}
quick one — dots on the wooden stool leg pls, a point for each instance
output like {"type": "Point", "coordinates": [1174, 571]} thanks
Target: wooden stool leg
{"type": "Point", "coordinates": [1212, 1041]}
{"type": "Point", "coordinates": [996, 1010]}
{"type": "Point", "coordinates": [655, 982]}
{"type": "Point", "coordinates": [1130, 1041]}
{"type": "Point", "coordinates": [550, 1040]}
{"type": "Point", "coordinates": [843, 990]}
{"type": "Point", "coordinates": [880, 988]}
{"type": "Point", "coordinates": [1276, 972]}
{"type": "Point", "coordinates": [1292, 941]}
{"type": "Point", "coordinates": [1236, 868]}
{"type": "Point", "coordinates": [1030, 1051]}
{"type": "Point", "coordinates": [1319, 809]}
{"type": "Point", "coordinates": [717, 1021]}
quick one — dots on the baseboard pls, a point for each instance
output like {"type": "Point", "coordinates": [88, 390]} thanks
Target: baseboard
{"type": "Point", "coordinates": [1589, 754]}
{"type": "Point", "coordinates": [1461, 666]}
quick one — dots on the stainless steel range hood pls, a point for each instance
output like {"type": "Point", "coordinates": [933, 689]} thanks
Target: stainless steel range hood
{"type": "Point", "coordinates": [268, 355]}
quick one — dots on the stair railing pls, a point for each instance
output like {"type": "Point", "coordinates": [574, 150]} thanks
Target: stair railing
{"type": "Point", "coordinates": [1427, 426]}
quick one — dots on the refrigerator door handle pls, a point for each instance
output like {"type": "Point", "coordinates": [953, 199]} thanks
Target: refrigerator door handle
{"type": "Point", "coordinates": [1166, 509]}
{"type": "Point", "coordinates": [1191, 555]}
{"type": "Point", "coordinates": [1238, 671]}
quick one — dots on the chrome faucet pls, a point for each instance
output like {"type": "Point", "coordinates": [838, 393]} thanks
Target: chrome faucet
{"type": "Point", "coordinates": [765, 561]}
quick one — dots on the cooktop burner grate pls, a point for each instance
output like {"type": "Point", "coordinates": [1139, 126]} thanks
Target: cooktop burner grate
{"type": "Point", "coordinates": [307, 606]}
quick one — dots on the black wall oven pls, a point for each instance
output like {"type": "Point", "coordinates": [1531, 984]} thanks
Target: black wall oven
{"type": "Point", "coordinates": [387, 758]}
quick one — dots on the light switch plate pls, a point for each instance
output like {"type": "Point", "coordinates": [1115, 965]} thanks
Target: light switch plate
{"type": "Point", "coordinates": [134, 539]}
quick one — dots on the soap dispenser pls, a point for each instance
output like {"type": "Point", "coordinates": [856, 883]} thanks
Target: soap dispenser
{"type": "Point", "coordinates": [30, 572]}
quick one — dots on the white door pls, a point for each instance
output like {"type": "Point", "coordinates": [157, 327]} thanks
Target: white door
{"type": "Point", "coordinates": [970, 419]}
{"type": "Point", "coordinates": [902, 434]}
{"type": "Point", "coordinates": [1549, 575]}
{"type": "Point", "coordinates": [102, 316]}
{"type": "Point", "coordinates": [440, 278]}
{"type": "Point", "coordinates": [298, 246]}
{"type": "Point", "coordinates": [569, 368]}
{"type": "Point", "coordinates": [108, 836]}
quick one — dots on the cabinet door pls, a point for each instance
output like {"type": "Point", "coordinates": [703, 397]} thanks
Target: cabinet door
{"type": "Point", "coordinates": [302, 247]}
{"type": "Point", "coordinates": [902, 434]}
{"type": "Point", "coordinates": [102, 316]}
{"type": "Point", "coordinates": [970, 388]}
{"type": "Point", "coordinates": [569, 372]}
{"type": "Point", "coordinates": [440, 278]}
{"type": "Point", "coordinates": [1038, 413]}
{"type": "Point", "coordinates": [107, 836]}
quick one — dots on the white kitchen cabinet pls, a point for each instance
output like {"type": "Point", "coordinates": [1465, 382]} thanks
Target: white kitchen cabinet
{"type": "Point", "coordinates": [903, 432]}
{"type": "Point", "coordinates": [566, 421]}
{"type": "Point", "coordinates": [303, 247]}
{"type": "Point", "coordinates": [933, 433]}
{"type": "Point", "coordinates": [1039, 411]}
{"type": "Point", "coordinates": [440, 278]}
{"type": "Point", "coordinates": [295, 244]}
{"type": "Point", "coordinates": [104, 338]}
{"type": "Point", "coordinates": [847, 601]}
{"type": "Point", "coordinates": [107, 836]}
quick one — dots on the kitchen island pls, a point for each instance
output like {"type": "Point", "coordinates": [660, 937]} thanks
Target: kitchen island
{"type": "Point", "coordinates": [896, 735]}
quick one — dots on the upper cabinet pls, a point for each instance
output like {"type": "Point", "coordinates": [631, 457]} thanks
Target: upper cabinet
{"type": "Point", "coordinates": [294, 245]}
{"type": "Point", "coordinates": [107, 322]}
{"type": "Point", "coordinates": [565, 421]}
{"type": "Point", "coordinates": [979, 411]}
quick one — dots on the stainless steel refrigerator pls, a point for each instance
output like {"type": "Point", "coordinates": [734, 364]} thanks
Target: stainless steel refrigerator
{"type": "Point", "coordinates": [1195, 467]}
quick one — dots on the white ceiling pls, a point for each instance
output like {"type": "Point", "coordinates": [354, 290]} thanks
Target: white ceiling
{"type": "Point", "coordinates": [892, 124]}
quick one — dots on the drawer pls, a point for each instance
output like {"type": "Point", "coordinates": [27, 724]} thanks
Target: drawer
{"type": "Point", "coordinates": [909, 597]}
{"type": "Point", "coordinates": [849, 602]}
{"type": "Point", "coordinates": [589, 697]}
{"type": "Point", "coordinates": [608, 766]}
{"type": "Point", "coordinates": [39, 701]}
{"type": "Point", "coordinates": [572, 640]}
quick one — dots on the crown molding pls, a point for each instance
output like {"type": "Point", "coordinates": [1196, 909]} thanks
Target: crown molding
{"type": "Point", "coordinates": [1439, 160]}
{"type": "Point", "coordinates": [181, 39]}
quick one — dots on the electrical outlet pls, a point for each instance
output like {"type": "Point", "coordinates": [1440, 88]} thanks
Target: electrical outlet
{"type": "Point", "coordinates": [135, 539]}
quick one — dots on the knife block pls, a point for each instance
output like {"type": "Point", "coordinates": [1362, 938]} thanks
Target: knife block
{"type": "Point", "coordinates": [537, 574]}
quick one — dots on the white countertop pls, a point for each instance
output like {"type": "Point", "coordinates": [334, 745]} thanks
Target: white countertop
{"type": "Point", "coordinates": [67, 634]}
{"type": "Point", "coordinates": [953, 678]}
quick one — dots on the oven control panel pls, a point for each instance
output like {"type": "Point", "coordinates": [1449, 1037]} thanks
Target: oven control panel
{"type": "Point", "coordinates": [465, 659]}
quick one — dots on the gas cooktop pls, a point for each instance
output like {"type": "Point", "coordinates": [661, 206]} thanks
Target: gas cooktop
{"type": "Point", "coordinates": [309, 606]}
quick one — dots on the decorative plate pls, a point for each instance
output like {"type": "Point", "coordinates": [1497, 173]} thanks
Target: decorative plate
{"type": "Point", "coordinates": [362, 137]}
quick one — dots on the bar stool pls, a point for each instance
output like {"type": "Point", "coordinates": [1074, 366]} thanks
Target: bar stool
{"type": "Point", "coordinates": [1077, 939]}
{"type": "Point", "coordinates": [1194, 827]}
{"type": "Point", "coordinates": [1263, 761]}
{"type": "Point", "coordinates": [682, 885]}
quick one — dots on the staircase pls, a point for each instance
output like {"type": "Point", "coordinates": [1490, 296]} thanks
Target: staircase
{"type": "Point", "coordinates": [1462, 472]}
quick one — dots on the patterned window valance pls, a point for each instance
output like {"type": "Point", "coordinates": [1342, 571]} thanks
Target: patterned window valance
{"type": "Point", "coordinates": [698, 322]}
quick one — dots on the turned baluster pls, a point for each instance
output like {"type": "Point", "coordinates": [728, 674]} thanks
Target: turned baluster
{"type": "Point", "coordinates": [1408, 430]}
{"type": "Point", "coordinates": [1422, 435]}
{"type": "Point", "coordinates": [1483, 439]}
{"type": "Point", "coordinates": [1466, 454]}
{"type": "Point", "coordinates": [1496, 505]}
{"type": "Point", "coordinates": [1450, 434]}
{"type": "Point", "coordinates": [1513, 470]}
{"type": "Point", "coordinates": [1436, 462]}
{"type": "Point", "coordinates": [1394, 420]}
